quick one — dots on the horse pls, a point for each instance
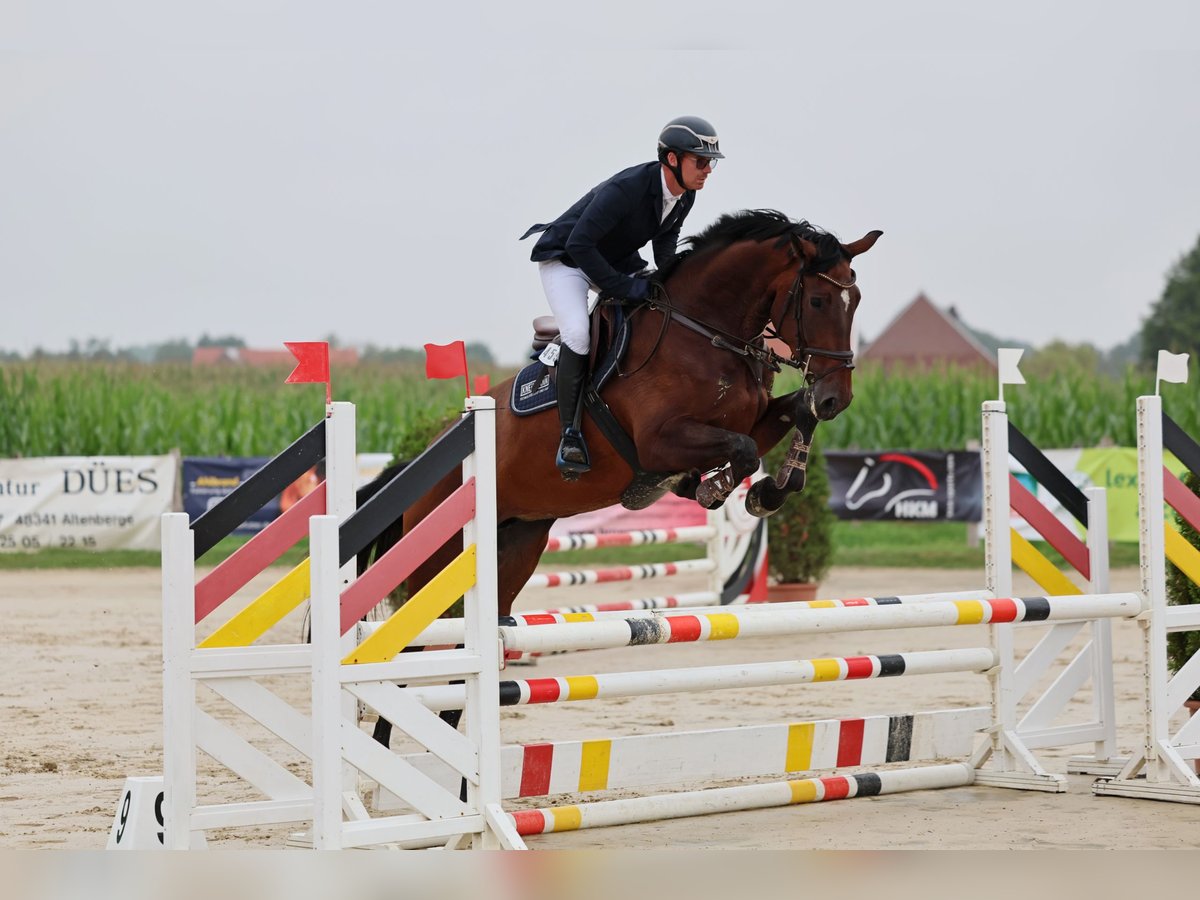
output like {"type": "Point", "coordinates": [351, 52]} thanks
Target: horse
{"type": "Point", "coordinates": [694, 398]}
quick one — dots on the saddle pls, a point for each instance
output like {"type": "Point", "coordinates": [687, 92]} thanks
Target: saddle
{"type": "Point", "coordinates": [536, 389]}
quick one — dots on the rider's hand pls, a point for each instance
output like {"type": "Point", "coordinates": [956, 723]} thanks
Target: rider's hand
{"type": "Point", "coordinates": [639, 288]}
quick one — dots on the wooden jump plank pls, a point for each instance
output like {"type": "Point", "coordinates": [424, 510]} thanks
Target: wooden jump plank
{"type": "Point", "coordinates": [1057, 535]}
{"type": "Point", "coordinates": [257, 553]}
{"type": "Point", "coordinates": [411, 551]}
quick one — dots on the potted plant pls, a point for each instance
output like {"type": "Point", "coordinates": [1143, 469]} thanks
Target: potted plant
{"type": "Point", "coordinates": [800, 534]}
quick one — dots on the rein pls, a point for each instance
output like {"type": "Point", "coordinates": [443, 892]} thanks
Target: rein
{"type": "Point", "coordinates": [722, 340]}
{"type": "Point", "coordinates": [801, 357]}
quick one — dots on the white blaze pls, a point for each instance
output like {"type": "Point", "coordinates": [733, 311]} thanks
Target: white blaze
{"type": "Point", "coordinates": [846, 299]}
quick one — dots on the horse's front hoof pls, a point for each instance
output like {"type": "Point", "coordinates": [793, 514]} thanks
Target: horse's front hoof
{"type": "Point", "coordinates": [754, 504]}
{"type": "Point", "coordinates": [712, 492]}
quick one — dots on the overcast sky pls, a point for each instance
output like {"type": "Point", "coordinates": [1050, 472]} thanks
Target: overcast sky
{"type": "Point", "coordinates": [287, 170]}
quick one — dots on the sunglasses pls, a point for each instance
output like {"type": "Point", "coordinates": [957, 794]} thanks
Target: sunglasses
{"type": "Point", "coordinates": [703, 162]}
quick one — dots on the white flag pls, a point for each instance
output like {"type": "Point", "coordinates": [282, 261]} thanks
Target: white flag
{"type": "Point", "coordinates": [1173, 367]}
{"type": "Point", "coordinates": [1007, 359]}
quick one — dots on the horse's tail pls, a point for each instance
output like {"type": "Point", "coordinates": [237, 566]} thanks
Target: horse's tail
{"type": "Point", "coordinates": [390, 535]}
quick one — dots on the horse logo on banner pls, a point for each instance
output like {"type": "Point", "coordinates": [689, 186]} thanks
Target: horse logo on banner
{"type": "Point", "coordinates": [876, 479]}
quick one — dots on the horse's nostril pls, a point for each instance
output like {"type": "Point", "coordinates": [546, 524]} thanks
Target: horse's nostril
{"type": "Point", "coordinates": [828, 408]}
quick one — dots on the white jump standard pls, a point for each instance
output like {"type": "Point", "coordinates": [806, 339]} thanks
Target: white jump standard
{"type": "Point", "coordinates": [1164, 769]}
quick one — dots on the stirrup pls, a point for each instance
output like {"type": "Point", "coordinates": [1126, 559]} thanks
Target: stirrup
{"type": "Point", "coordinates": [572, 459]}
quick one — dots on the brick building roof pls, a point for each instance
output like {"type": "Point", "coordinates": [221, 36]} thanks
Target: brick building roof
{"type": "Point", "coordinates": [923, 335]}
{"type": "Point", "coordinates": [247, 356]}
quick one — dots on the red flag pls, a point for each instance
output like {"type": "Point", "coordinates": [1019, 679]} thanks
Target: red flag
{"type": "Point", "coordinates": [312, 364]}
{"type": "Point", "coordinates": [312, 359]}
{"type": "Point", "coordinates": [482, 383]}
{"type": "Point", "coordinates": [447, 361]}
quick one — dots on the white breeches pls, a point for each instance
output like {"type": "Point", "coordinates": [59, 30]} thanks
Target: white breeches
{"type": "Point", "coordinates": [567, 292]}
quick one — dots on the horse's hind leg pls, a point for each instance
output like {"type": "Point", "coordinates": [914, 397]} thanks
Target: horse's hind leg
{"type": "Point", "coordinates": [646, 488]}
{"type": "Point", "coordinates": [520, 546]}
{"type": "Point", "coordinates": [694, 447]}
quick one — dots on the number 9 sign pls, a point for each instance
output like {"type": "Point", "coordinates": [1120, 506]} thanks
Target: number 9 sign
{"type": "Point", "coordinates": [138, 824]}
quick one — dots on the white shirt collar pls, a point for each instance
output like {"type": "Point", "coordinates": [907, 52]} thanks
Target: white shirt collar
{"type": "Point", "coordinates": [669, 199]}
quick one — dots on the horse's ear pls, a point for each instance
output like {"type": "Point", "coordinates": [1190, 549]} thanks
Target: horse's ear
{"type": "Point", "coordinates": [807, 248]}
{"type": "Point", "coordinates": [862, 245]}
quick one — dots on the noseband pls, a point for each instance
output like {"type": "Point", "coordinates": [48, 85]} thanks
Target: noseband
{"type": "Point", "coordinates": [803, 354]}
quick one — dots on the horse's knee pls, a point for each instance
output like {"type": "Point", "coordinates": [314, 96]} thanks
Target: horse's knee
{"type": "Point", "coordinates": [744, 459]}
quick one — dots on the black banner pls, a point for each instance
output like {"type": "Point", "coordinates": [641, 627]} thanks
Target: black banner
{"type": "Point", "coordinates": [208, 480]}
{"type": "Point", "coordinates": [919, 485]}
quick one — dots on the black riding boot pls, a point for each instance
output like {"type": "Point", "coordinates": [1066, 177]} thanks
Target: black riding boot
{"type": "Point", "coordinates": [572, 458]}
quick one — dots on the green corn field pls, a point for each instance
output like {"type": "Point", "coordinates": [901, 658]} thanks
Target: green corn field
{"type": "Point", "coordinates": [79, 409]}
{"type": "Point", "coordinates": [93, 408]}
{"type": "Point", "coordinates": [940, 410]}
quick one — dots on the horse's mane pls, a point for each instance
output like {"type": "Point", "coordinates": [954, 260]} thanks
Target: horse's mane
{"type": "Point", "coordinates": [759, 225]}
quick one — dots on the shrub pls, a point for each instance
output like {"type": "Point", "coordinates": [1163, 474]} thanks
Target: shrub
{"type": "Point", "coordinates": [800, 535]}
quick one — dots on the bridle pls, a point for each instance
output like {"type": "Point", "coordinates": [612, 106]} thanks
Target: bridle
{"type": "Point", "coordinates": [754, 349]}
{"type": "Point", "coordinates": [802, 355]}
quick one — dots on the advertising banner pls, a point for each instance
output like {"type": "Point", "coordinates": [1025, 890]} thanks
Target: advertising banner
{"type": "Point", "coordinates": [87, 502]}
{"type": "Point", "coordinates": [918, 486]}
{"type": "Point", "coordinates": [1115, 469]}
{"type": "Point", "coordinates": [207, 479]}
{"type": "Point", "coordinates": [1112, 468]}
{"type": "Point", "coordinates": [884, 485]}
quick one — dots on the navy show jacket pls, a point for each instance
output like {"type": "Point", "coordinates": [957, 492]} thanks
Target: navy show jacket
{"type": "Point", "coordinates": [604, 229]}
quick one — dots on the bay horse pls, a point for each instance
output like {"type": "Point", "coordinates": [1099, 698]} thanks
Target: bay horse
{"type": "Point", "coordinates": [695, 396]}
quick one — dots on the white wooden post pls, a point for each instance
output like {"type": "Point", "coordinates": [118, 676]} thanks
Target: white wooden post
{"type": "Point", "coordinates": [717, 548]}
{"type": "Point", "coordinates": [480, 610]}
{"type": "Point", "coordinates": [328, 713]}
{"type": "Point", "coordinates": [179, 690]}
{"type": "Point", "coordinates": [998, 567]}
{"type": "Point", "coordinates": [1103, 692]}
{"type": "Point", "coordinates": [1154, 582]}
{"type": "Point", "coordinates": [341, 479]}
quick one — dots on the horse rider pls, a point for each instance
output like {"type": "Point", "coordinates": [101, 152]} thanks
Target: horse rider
{"type": "Point", "coordinates": [594, 246]}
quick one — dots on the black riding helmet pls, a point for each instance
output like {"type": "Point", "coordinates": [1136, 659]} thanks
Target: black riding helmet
{"type": "Point", "coordinates": [688, 134]}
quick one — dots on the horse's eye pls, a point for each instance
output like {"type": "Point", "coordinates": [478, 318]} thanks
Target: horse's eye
{"type": "Point", "coordinates": [817, 301]}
